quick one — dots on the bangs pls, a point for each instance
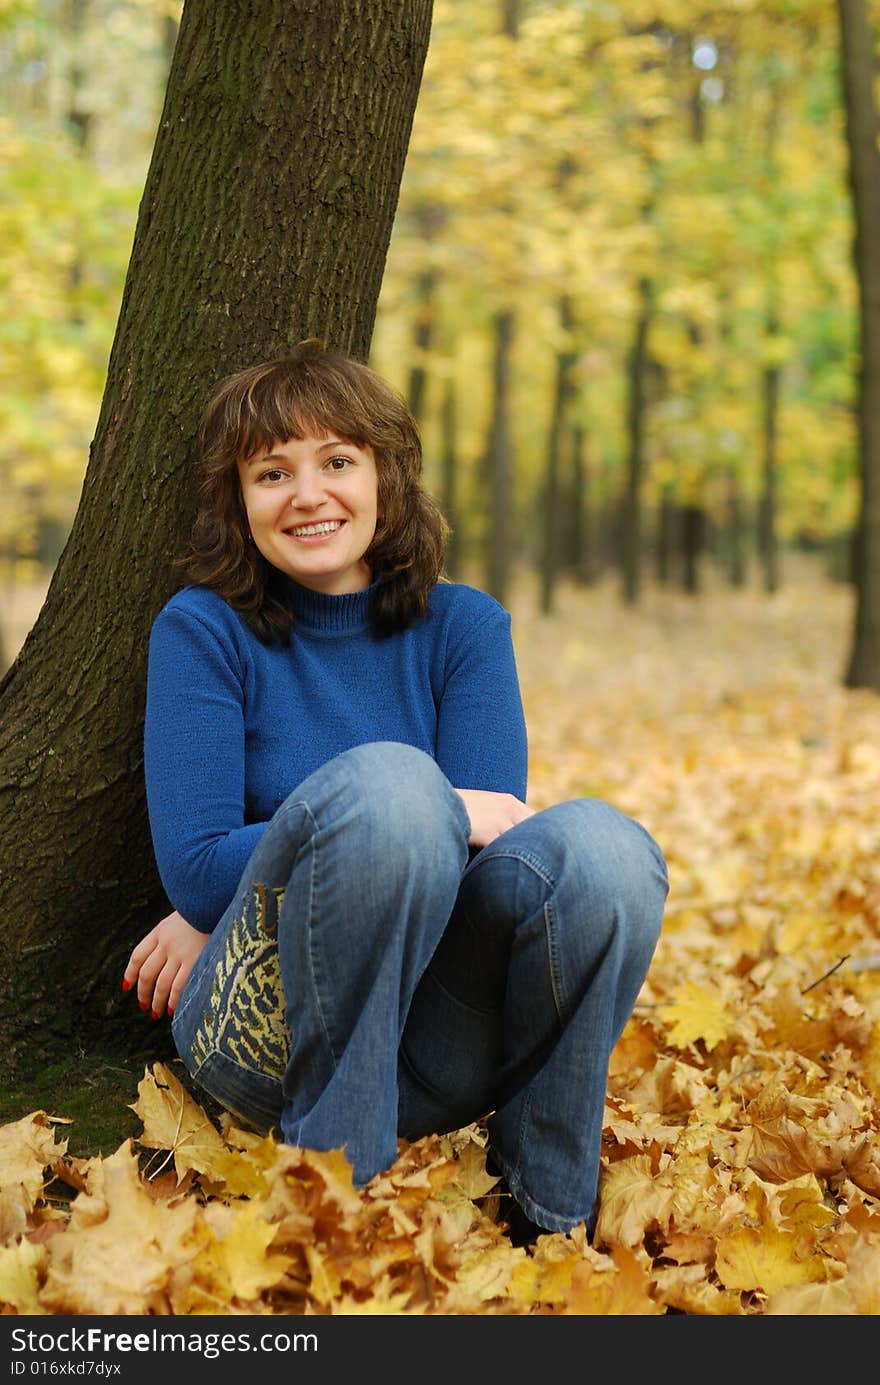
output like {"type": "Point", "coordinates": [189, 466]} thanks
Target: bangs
{"type": "Point", "coordinates": [276, 409]}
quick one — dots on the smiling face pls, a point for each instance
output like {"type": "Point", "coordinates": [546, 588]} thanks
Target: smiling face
{"type": "Point", "coordinates": [311, 505]}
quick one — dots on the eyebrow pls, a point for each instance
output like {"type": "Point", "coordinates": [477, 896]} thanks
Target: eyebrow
{"type": "Point", "coordinates": [324, 447]}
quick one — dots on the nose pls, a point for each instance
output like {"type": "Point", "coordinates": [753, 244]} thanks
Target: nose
{"type": "Point", "coordinates": [308, 492]}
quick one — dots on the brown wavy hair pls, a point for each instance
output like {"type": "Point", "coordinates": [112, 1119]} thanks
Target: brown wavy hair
{"type": "Point", "coordinates": [312, 389]}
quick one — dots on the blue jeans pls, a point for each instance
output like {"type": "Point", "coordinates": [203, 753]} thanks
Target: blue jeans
{"type": "Point", "coordinates": [373, 978]}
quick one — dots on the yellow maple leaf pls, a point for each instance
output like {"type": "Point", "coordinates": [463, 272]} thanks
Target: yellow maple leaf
{"type": "Point", "coordinates": [810, 1300]}
{"type": "Point", "coordinates": [695, 1014]}
{"type": "Point", "coordinates": [635, 1049]}
{"type": "Point", "coordinates": [20, 1270]}
{"type": "Point", "coordinates": [235, 1263]}
{"type": "Point", "coordinates": [174, 1121]}
{"type": "Point", "coordinates": [382, 1302]}
{"type": "Point", "coordinates": [863, 1277]}
{"type": "Point", "coordinates": [27, 1148]}
{"type": "Point", "coordinates": [687, 1289]}
{"type": "Point", "coordinates": [630, 1197]}
{"type": "Point", "coordinates": [802, 1205]}
{"type": "Point", "coordinates": [862, 1164]}
{"type": "Point", "coordinates": [325, 1280]}
{"type": "Point", "coordinates": [787, 1141]}
{"type": "Point", "coordinates": [480, 1277]}
{"type": "Point", "coordinates": [471, 1176]}
{"type": "Point", "coordinates": [120, 1248]}
{"type": "Point", "coordinates": [871, 1062]}
{"type": "Point", "coordinates": [543, 1277]}
{"type": "Point", "coordinates": [335, 1172]}
{"type": "Point", "coordinates": [623, 1291]}
{"type": "Point", "coordinates": [764, 1260]}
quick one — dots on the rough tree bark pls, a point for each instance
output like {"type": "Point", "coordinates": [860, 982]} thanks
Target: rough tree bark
{"type": "Point", "coordinates": [266, 217]}
{"type": "Point", "coordinates": [858, 68]}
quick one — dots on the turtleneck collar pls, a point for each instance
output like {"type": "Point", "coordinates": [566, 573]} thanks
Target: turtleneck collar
{"type": "Point", "coordinates": [329, 615]}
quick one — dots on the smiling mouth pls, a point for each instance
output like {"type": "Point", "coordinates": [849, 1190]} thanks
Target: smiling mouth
{"type": "Point", "coordinates": [309, 531]}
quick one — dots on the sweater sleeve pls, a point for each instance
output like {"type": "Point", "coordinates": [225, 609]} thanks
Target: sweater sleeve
{"type": "Point", "coordinates": [481, 729]}
{"type": "Point", "coordinates": [194, 764]}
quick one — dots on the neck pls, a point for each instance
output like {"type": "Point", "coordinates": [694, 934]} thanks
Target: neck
{"type": "Point", "coordinates": [329, 613]}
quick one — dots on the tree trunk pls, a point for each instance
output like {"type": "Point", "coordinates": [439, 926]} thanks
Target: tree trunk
{"type": "Point", "coordinates": [666, 535]}
{"type": "Point", "coordinates": [265, 218]}
{"type": "Point", "coordinates": [499, 451]}
{"type": "Point", "coordinates": [631, 520]}
{"type": "Point", "coordinates": [585, 556]}
{"type": "Point", "coordinates": [735, 531]}
{"type": "Point", "coordinates": [449, 497]}
{"type": "Point", "coordinates": [862, 123]}
{"type": "Point", "coordinates": [423, 331]}
{"type": "Point", "coordinates": [768, 543]}
{"type": "Point", "coordinates": [499, 457]}
{"type": "Point", "coordinates": [550, 555]}
{"type": "Point", "coordinates": [430, 219]}
{"type": "Point", "coordinates": [692, 533]}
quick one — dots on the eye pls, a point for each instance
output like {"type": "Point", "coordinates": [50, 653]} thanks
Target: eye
{"type": "Point", "coordinates": [272, 475]}
{"type": "Point", "coordinates": [338, 463]}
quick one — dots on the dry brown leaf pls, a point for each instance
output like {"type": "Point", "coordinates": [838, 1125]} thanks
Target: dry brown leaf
{"type": "Point", "coordinates": [740, 1170]}
{"type": "Point", "coordinates": [21, 1271]}
{"type": "Point", "coordinates": [632, 1198]}
{"type": "Point", "coordinates": [764, 1259]}
{"type": "Point", "coordinates": [623, 1291]}
{"type": "Point", "coordinates": [119, 1250]}
{"type": "Point", "coordinates": [172, 1120]}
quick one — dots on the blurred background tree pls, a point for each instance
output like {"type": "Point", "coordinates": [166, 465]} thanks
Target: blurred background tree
{"type": "Point", "coordinates": [859, 82]}
{"type": "Point", "coordinates": [620, 293]}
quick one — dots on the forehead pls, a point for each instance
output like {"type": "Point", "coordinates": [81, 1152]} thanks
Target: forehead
{"type": "Point", "coordinates": [318, 444]}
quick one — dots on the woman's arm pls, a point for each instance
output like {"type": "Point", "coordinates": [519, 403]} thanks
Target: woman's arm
{"type": "Point", "coordinates": [482, 744]}
{"type": "Point", "coordinates": [194, 761]}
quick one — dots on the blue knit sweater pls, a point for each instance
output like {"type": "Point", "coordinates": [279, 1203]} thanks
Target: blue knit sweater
{"type": "Point", "coordinates": [233, 725]}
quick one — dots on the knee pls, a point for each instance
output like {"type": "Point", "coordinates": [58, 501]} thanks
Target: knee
{"type": "Point", "coordinates": [612, 861]}
{"type": "Point", "coordinates": [401, 797]}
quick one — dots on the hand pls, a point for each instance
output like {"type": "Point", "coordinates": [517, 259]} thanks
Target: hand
{"type": "Point", "coordinates": [161, 962]}
{"type": "Point", "coordinates": [491, 813]}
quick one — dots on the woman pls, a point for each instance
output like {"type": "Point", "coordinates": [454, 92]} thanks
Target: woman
{"type": "Point", "coordinates": [374, 936]}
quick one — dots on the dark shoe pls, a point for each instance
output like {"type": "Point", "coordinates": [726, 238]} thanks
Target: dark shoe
{"type": "Point", "coordinates": [520, 1229]}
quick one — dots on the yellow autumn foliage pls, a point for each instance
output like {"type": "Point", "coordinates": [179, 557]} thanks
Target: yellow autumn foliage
{"type": "Point", "coordinates": [741, 1156]}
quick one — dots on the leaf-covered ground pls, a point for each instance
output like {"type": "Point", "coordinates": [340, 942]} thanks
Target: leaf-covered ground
{"type": "Point", "coordinates": [741, 1149]}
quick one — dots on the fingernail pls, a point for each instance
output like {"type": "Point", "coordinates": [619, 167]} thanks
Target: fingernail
{"type": "Point", "coordinates": [170, 1009]}
{"type": "Point", "coordinates": [143, 1004]}
{"type": "Point", "coordinates": [126, 985]}
{"type": "Point", "coordinates": [153, 1015]}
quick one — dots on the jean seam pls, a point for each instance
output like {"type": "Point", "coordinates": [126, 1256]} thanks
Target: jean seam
{"type": "Point", "coordinates": [525, 858]}
{"type": "Point", "coordinates": [531, 862]}
{"type": "Point", "coordinates": [521, 1135]}
{"type": "Point", "coordinates": [556, 980]}
{"type": "Point", "coordinates": [311, 914]}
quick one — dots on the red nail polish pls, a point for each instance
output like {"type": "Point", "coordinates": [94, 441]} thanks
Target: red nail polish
{"type": "Point", "coordinates": [170, 1010]}
{"type": "Point", "coordinates": [143, 1004]}
{"type": "Point", "coordinates": [126, 985]}
{"type": "Point", "coordinates": [153, 1015]}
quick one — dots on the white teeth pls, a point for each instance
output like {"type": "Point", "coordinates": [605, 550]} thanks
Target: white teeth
{"type": "Point", "coordinates": [329, 526]}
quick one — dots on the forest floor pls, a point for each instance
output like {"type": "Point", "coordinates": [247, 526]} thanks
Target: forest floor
{"type": "Point", "coordinates": [741, 1168]}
